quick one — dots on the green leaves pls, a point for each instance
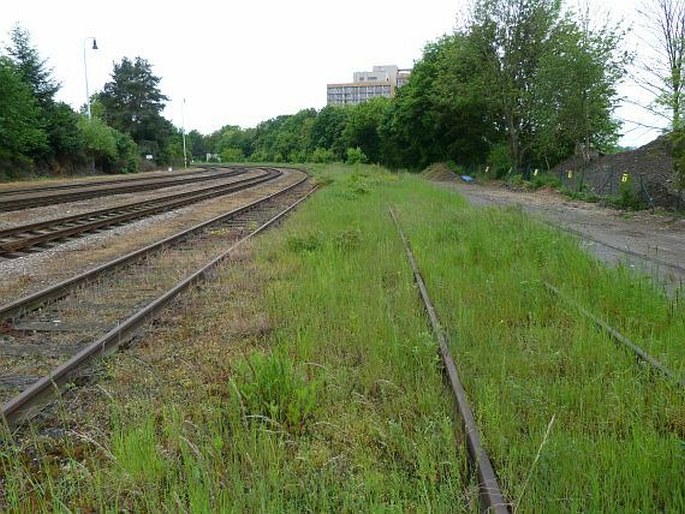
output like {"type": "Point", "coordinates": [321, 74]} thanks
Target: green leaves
{"type": "Point", "coordinates": [21, 130]}
{"type": "Point", "coordinates": [132, 103]}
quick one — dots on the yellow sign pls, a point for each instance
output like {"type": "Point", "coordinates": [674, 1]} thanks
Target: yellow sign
{"type": "Point", "coordinates": [569, 173]}
{"type": "Point", "coordinates": [535, 173]}
{"type": "Point", "coordinates": [625, 178]}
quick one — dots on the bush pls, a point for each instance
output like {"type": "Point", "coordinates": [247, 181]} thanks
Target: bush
{"type": "Point", "coordinates": [628, 197]}
{"type": "Point", "coordinates": [322, 155]}
{"type": "Point", "coordinates": [232, 155]}
{"type": "Point", "coordinates": [500, 161]}
{"type": "Point", "coordinates": [355, 156]}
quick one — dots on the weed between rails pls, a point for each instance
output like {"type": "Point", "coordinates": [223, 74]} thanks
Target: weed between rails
{"type": "Point", "coordinates": [305, 378]}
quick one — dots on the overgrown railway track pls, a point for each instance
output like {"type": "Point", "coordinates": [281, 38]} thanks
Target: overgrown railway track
{"type": "Point", "coordinates": [23, 238]}
{"type": "Point", "coordinates": [491, 496]}
{"type": "Point", "coordinates": [14, 199]}
{"type": "Point", "coordinates": [46, 338]}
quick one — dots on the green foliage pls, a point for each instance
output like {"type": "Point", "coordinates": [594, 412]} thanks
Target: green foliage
{"type": "Point", "coordinates": [31, 67]}
{"type": "Point", "coordinates": [628, 197]}
{"type": "Point", "coordinates": [362, 129]}
{"type": "Point", "coordinates": [500, 161]}
{"type": "Point", "coordinates": [232, 155]}
{"type": "Point", "coordinates": [576, 91]}
{"type": "Point", "coordinates": [21, 129]}
{"type": "Point", "coordinates": [132, 103]}
{"type": "Point", "coordinates": [306, 243]}
{"type": "Point", "coordinates": [322, 155]}
{"type": "Point", "coordinates": [127, 153]}
{"type": "Point", "coordinates": [555, 78]}
{"type": "Point", "coordinates": [109, 149]}
{"type": "Point", "coordinates": [327, 131]}
{"type": "Point", "coordinates": [355, 156]}
{"type": "Point", "coordinates": [271, 387]}
{"type": "Point", "coordinates": [544, 180]}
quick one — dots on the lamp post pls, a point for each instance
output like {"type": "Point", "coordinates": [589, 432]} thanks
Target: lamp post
{"type": "Point", "coordinates": [85, 67]}
{"type": "Point", "coordinates": [183, 133]}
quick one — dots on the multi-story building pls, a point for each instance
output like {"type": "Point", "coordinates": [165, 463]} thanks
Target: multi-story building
{"type": "Point", "coordinates": [380, 81]}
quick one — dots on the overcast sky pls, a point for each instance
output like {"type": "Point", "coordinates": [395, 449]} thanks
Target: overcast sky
{"type": "Point", "coordinates": [242, 62]}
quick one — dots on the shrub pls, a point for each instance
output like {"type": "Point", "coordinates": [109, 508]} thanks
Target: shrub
{"type": "Point", "coordinates": [232, 155]}
{"type": "Point", "coordinates": [355, 156]}
{"type": "Point", "coordinates": [322, 155]}
{"type": "Point", "coordinates": [500, 161]}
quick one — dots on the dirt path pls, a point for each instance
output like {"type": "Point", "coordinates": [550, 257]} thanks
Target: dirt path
{"type": "Point", "coordinates": [651, 243]}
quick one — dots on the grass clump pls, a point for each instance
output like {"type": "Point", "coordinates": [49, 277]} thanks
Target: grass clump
{"type": "Point", "coordinates": [271, 388]}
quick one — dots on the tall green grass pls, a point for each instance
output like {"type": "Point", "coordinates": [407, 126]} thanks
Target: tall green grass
{"type": "Point", "coordinates": [616, 444]}
{"type": "Point", "coordinates": [340, 405]}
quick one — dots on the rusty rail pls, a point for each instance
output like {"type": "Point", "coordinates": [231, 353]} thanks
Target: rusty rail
{"type": "Point", "coordinates": [27, 236]}
{"type": "Point", "coordinates": [489, 490]}
{"type": "Point", "coordinates": [619, 338]}
{"type": "Point", "coordinates": [26, 404]}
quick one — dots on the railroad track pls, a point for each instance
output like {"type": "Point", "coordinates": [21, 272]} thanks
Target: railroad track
{"type": "Point", "coordinates": [11, 200]}
{"type": "Point", "coordinates": [121, 179]}
{"type": "Point", "coordinates": [15, 240]}
{"type": "Point", "coordinates": [490, 493]}
{"type": "Point", "coordinates": [48, 338]}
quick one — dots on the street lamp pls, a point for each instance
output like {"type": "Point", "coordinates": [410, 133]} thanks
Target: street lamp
{"type": "Point", "coordinates": [183, 132]}
{"type": "Point", "coordinates": [85, 67]}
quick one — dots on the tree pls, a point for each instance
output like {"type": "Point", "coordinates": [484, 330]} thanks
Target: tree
{"type": "Point", "coordinates": [362, 128]}
{"type": "Point", "coordinates": [109, 149]}
{"type": "Point", "coordinates": [575, 91]}
{"type": "Point", "coordinates": [197, 145]}
{"type": "Point", "coordinates": [57, 119]}
{"type": "Point", "coordinates": [661, 71]}
{"type": "Point", "coordinates": [440, 114]}
{"type": "Point", "coordinates": [32, 68]}
{"type": "Point", "coordinates": [327, 131]}
{"type": "Point", "coordinates": [21, 132]}
{"type": "Point", "coordinates": [132, 103]}
{"type": "Point", "coordinates": [511, 36]}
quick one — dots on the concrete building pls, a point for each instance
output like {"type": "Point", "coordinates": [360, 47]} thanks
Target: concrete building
{"type": "Point", "coordinates": [380, 81]}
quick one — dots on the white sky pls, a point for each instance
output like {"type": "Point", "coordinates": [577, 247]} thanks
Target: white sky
{"type": "Point", "coordinates": [243, 62]}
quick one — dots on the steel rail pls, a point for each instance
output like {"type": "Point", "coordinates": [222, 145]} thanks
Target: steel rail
{"type": "Point", "coordinates": [11, 204]}
{"type": "Point", "coordinates": [120, 179]}
{"type": "Point", "coordinates": [35, 300]}
{"type": "Point", "coordinates": [28, 402]}
{"type": "Point", "coordinates": [100, 212]}
{"type": "Point", "coordinates": [82, 223]}
{"type": "Point", "coordinates": [488, 486]}
{"type": "Point", "coordinates": [619, 338]}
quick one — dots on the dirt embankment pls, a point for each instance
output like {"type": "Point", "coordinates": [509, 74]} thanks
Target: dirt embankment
{"type": "Point", "coordinates": [648, 170]}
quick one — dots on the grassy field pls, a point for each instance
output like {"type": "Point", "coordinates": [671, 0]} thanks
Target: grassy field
{"type": "Point", "coordinates": [305, 377]}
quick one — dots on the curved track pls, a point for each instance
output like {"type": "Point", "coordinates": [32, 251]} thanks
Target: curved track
{"type": "Point", "coordinates": [11, 200]}
{"type": "Point", "coordinates": [24, 237]}
{"type": "Point", "coordinates": [94, 313]}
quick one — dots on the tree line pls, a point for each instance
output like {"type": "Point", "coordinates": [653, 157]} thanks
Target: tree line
{"type": "Point", "coordinates": [522, 83]}
{"type": "Point", "coordinates": [39, 134]}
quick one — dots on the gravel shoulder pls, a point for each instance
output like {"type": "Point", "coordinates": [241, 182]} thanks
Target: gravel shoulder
{"type": "Point", "coordinates": [647, 242]}
{"type": "Point", "coordinates": [32, 272]}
